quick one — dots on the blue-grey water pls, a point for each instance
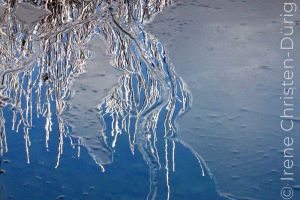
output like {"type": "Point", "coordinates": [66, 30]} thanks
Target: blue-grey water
{"type": "Point", "coordinates": [142, 100]}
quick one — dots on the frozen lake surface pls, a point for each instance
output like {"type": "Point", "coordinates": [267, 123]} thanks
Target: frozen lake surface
{"type": "Point", "coordinates": [98, 102]}
{"type": "Point", "coordinates": [228, 53]}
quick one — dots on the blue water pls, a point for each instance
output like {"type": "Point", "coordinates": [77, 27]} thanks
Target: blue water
{"type": "Point", "coordinates": [202, 128]}
{"type": "Point", "coordinates": [136, 154]}
{"type": "Point", "coordinates": [80, 178]}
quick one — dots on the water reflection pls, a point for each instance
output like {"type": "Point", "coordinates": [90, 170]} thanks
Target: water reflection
{"type": "Point", "coordinates": [41, 59]}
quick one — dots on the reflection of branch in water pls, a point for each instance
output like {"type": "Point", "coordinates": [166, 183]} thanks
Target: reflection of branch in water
{"type": "Point", "coordinates": [141, 104]}
{"type": "Point", "coordinates": [48, 79]}
{"type": "Point", "coordinates": [3, 143]}
{"type": "Point", "coordinates": [147, 99]}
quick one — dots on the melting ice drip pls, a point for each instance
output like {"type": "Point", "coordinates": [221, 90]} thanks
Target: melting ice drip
{"type": "Point", "coordinates": [148, 97]}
